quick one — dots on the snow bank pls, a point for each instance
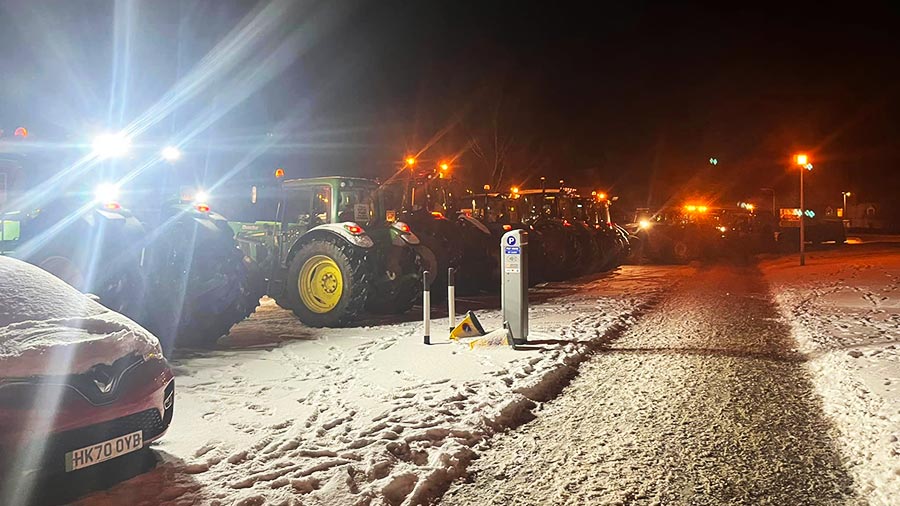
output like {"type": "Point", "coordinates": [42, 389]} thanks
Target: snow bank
{"type": "Point", "coordinates": [48, 327]}
{"type": "Point", "coordinates": [844, 309]}
{"type": "Point", "coordinates": [369, 415]}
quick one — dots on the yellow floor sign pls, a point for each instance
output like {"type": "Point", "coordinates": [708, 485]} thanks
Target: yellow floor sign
{"type": "Point", "coordinates": [468, 327]}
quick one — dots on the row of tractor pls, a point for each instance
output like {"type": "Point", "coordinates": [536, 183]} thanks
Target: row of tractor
{"type": "Point", "coordinates": [340, 246]}
{"type": "Point", "coordinates": [330, 249]}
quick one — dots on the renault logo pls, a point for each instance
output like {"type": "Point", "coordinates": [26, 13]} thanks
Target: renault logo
{"type": "Point", "coordinates": [103, 381]}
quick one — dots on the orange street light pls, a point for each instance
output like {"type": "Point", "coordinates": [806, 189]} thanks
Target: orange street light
{"type": "Point", "coordinates": [803, 162]}
{"type": "Point", "coordinates": [410, 161]}
{"type": "Point", "coordinates": [445, 166]}
{"type": "Point", "coordinates": [515, 190]}
{"type": "Point", "coordinates": [601, 196]}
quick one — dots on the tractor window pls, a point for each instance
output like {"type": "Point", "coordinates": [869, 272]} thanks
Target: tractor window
{"type": "Point", "coordinates": [356, 205]}
{"type": "Point", "coordinates": [308, 207]}
{"type": "Point", "coordinates": [321, 208]}
{"type": "Point", "coordinates": [544, 205]}
{"type": "Point", "coordinates": [297, 207]}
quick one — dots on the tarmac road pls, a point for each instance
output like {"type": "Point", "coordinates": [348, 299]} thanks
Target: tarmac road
{"type": "Point", "coordinates": [704, 401]}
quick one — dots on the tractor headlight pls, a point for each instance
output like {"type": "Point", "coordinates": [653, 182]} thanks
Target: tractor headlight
{"type": "Point", "coordinates": [106, 192]}
{"type": "Point", "coordinates": [170, 153]}
{"type": "Point", "coordinates": [111, 145]}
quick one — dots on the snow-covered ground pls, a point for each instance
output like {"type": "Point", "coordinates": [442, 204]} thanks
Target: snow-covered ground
{"type": "Point", "coordinates": [285, 414]}
{"type": "Point", "coordinates": [844, 309]}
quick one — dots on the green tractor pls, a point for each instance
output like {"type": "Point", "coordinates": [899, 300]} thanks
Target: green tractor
{"type": "Point", "coordinates": [171, 265]}
{"type": "Point", "coordinates": [333, 251]}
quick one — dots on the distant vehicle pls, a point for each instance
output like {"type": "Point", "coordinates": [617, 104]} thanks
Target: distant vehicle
{"type": "Point", "coordinates": [818, 230]}
{"type": "Point", "coordinates": [79, 384]}
{"type": "Point", "coordinates": [573, 246]}
{"type": "Point", "coordinates": [694, 231]}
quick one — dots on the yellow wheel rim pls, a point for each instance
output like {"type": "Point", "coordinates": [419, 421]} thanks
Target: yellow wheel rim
{"type": "Point", "coordinates": [320, 284]}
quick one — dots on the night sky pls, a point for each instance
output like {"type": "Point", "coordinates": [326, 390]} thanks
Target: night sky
{"type": "Point", "coordinates": [630, 98]}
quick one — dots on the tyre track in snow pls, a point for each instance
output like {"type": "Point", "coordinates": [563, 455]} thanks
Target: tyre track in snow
{"type": "Point", "coordinates": [704, 401]}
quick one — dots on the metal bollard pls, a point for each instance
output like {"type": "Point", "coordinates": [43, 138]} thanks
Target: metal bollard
{"type": "Point", "coordinates": [451, 296]}
{"type": "Point", "coordinates": [426, 306]}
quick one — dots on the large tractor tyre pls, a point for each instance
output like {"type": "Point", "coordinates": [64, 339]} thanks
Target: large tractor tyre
{"type": "Point", "coordinates": [608, 252]}
{"type": "Point", "coordinates": [402, 294]}
{"type": "Point", "coordinates": [96, 256]}
{"type": "Point", "coordinates": [199, 320]}
{"type": "Point", "coordinates": [682, 251]}
{"type": "Point", "coordinates": [556, 252]}
{"type": "Point", "coordinates": [537, 262]}
{"type": "Point", "coordinates": [635, 250]}
{"type": "Point", "coordinates": [282, 302]}
{"type": "Point", "coordinates": [444, 256]}
{"type": "Point", "coordinates": [579, 249]}
{"type": "Point", "coordinates": [398, 302]}
{"type": "Point", "coordinates": [327, 283]}
{"type": "Point", "coordinates": [120, 289]}
{"type": "Point", "coordinates": [201, 283]}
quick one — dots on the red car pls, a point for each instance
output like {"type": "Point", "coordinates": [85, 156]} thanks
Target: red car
{"type": "Point", "coordinates": [79, 384]}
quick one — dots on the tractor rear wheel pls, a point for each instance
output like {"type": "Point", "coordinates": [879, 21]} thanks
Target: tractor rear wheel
{"type": "Point", "coordinates": [327, 285]}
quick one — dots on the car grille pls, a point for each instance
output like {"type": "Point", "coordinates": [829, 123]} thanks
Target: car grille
{"type": "Point", "coordinates": [89, 384]}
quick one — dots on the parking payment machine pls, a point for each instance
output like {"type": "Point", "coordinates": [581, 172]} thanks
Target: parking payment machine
{"type": "Point", "coordinates": [514, 286]}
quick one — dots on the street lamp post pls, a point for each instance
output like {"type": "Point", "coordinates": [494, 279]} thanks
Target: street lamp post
{"type": "Point", "coordinates": [410, 163]}
{"type": "Point", "coordinates": [844, 209]}
{"type": "Point", "coordinates": [803, 163]}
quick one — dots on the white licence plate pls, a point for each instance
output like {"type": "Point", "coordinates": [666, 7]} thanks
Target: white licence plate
{"type": "Point", "coordinates": [101, 452]}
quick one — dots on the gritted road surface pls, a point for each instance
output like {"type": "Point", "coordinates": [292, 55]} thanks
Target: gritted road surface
{"type": "Point", "coordinates": [702, 402]}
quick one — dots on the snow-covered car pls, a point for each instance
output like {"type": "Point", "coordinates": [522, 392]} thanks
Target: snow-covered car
{"type": "Point", "coordinates": [79, 384]}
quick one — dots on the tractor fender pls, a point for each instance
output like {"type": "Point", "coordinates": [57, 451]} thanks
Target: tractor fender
{"type": "Point", "coordinates": [475, 223]}
{"type": "Point", "coordinates": [122, 216]}
{"type": "Point", "coordinates": [214, 222]}
{"type": "Point", "coordinates": [330, 231]}
{"type": "Point", "coordinates": [341, 230]}
{"type": "Point", "coordinates": [401, 235]}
